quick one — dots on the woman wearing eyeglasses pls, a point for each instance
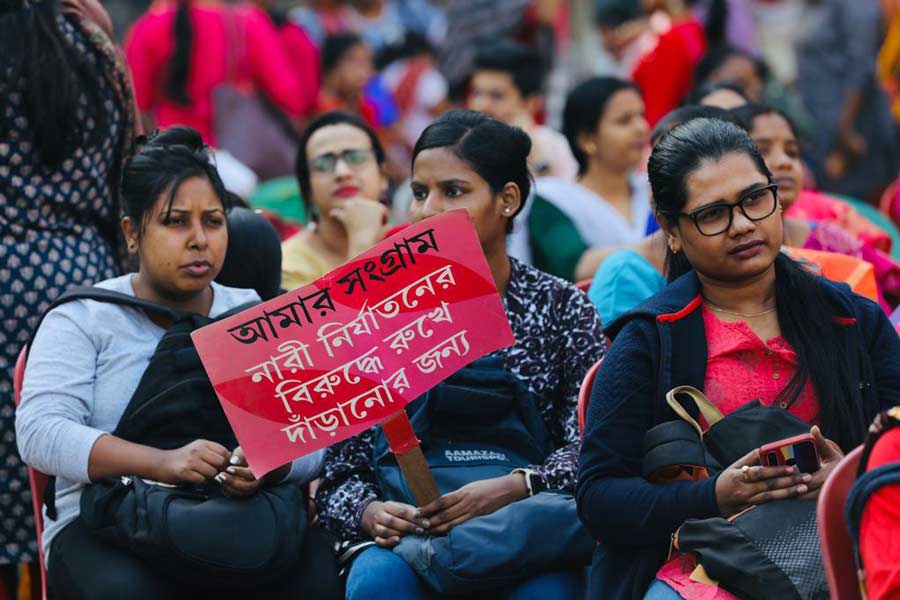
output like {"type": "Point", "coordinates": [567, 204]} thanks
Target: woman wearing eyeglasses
{"type": "Point", "coordinates": [340, 171]}
{"type": "Point", "coordinates": [739, 321]}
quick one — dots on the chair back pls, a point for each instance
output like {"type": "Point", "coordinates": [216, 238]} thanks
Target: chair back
{"type": "Point", "coordinates": [834, 537]}
{"type": "Point", "coordinates": [584, 394]}
{"type": "Point", "coordinates": [37, 479]}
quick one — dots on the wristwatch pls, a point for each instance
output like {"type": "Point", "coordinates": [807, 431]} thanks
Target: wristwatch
{"type": "Point", "coordinates": [533, 481]}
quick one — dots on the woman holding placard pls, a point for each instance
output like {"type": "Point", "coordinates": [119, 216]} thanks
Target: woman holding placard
{"type": "Point", "coordinates": [466, 160]}
{"type": "Point", "coordinates": [88, 358]}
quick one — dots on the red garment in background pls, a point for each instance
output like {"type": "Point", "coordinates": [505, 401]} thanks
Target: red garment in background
{"type": "Point", "coordinates": [150, 44]}
{"type": "Point", "coordinates": [815, 206]}
{"type": "Point", "coordinates": [365, 109]}
{"type": "Point", "coordinates": [304, 58]}
{"type": "Point", "coordinates": [880, 527]}
{"type": "Point", "coordinates": [665, 75]}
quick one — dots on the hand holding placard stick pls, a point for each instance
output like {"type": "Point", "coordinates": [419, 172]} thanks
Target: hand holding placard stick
{"type": "Point", "coordinates": [323, 363]}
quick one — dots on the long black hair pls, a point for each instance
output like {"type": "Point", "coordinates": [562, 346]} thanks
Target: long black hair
{"type": "Point", "coordinates": [180, 61]}
{"type": "Point", "coordinates": [161, 164]}
{"type": "Point", "coordinates": [805, 315]}
{"type": "Point", "coordinates": [496, 151]}
{"type": "Point", "coordinates": [585, 106]}
{"type": "Point", "coordinates": [59, 85]}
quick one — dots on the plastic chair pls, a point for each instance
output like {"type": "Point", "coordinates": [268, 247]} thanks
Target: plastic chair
{"type": "Point", "coordinates": [584, 394]}
{"type": "Point", "coordinates": [584, 285]}
{"type": "Point", "coordinates": [834, 538]}
{"type": "Point", "coordinates": [37, 479]}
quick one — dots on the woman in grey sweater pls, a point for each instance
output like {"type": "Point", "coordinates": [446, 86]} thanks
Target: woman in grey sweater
{"type": "Point", "coordinates": [88, 357]}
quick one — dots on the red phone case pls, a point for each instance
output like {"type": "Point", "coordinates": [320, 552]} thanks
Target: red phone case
{"type": "Point", "coordinates": [774, 450]}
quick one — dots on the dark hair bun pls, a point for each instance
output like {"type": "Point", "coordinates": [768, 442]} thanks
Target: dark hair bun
{"type": "Point", "coordinates": [177, 136]}
{"type": "Point", "coordinates": [160, 163]}
{"type": "Point", "coordinates": [496, 151]}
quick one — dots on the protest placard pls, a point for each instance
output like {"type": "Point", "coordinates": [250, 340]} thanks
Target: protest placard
{"type": "Point", "coordinates": [322, 363]}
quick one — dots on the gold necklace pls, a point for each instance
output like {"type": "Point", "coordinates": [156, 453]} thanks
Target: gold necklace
{"type": "Point", "coordinates": [739, 314]}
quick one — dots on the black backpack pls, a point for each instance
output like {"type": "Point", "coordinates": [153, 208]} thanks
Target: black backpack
{"type": "Point", "coordinates": [195, 533]}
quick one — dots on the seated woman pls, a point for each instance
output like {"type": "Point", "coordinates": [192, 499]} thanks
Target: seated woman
{"type": "Point", "coordinates": [88, 357]}
{"type": "Point", "coordinates": [627, 276]}
{"type": "Point", "coordinates": [466, 160]}
{"type": "Point", "coordinates": [740, 321]}
{"type": "Point", "coordinates": [609, 205]}
{"type": "Point", "coordinates": [340, 171]}
{"type": "Point", "coordinates": [775, 136]}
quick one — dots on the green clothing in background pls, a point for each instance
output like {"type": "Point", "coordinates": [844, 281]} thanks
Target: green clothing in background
{"type": "Point", "coordinates": [556, 245]}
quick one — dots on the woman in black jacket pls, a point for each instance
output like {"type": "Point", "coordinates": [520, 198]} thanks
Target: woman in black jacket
{"type": "Point", "coordinates": [735, 302]}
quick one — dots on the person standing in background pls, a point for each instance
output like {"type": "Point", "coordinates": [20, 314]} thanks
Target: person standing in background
{"type": "Point", "coordinates": [65, 127]}
{"type": "Point", "coordinates": [301, 51]}
{"type": "Point", "coordinates": [856, 152]}
{"type": "Point", "coordinates": [665, 73]}
{"type": "Point", "coordinates": [180, 53]}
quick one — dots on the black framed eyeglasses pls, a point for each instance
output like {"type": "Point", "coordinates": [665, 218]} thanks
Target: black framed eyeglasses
{"type": "Point", "coordinates": [352, 157]}
{"type": "Point", "coordinates": [716, 218]}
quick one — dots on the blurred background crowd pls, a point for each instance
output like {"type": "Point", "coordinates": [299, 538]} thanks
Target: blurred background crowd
{"type": "Point", "coordinates": [250, 76]}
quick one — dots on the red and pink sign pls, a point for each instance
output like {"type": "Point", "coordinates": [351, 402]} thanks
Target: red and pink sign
{"type": "Point", "coordinates": [322, 363]}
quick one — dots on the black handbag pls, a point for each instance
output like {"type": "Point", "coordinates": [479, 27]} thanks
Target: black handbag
{"type": "Point", "coordinates": [194, 534]}
{"type": "Point", "coordinates": [767, 551]}
{"type": "Point", "coordinates": [198, 535]}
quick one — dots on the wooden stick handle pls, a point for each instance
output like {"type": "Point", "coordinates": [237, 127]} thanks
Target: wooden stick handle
{"type": "Point", "coordinates": [405, 446]}
{"type": "Point", "coordinates": [418, 476]}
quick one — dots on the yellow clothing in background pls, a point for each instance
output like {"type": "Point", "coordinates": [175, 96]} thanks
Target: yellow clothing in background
{"type": "Point", "coordinates": [889, 65]}
{"type": "Point", "coordinates": [300, 263]}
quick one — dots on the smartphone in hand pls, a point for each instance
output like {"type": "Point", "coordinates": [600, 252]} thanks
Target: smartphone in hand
{"type": "Point", "coordinates": [798, 451]}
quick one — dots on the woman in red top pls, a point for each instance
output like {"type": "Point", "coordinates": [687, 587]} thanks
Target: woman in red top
{"type": "Point", "coordinates": [739, 321]}
{"type": "Point", "coordinates": [179, 54]}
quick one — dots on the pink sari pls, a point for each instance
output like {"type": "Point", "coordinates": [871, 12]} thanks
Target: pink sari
{"type": "Point", "coordinates": [829, 237]}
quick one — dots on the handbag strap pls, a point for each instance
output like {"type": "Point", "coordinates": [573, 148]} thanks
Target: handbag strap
{"type": "Point", "coordinates": [235, 35]}
{"type": "Point", "coordinates": [710, 413]}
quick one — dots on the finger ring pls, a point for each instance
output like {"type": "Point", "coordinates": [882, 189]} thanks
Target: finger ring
{"type": "Point", "coordinates": [745, 473]}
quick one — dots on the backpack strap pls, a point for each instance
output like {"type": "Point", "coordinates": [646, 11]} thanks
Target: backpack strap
{"type": "Point", "coordinates": [110, 296]}
{"type": "Point", "coordinates": [100, 295]}
{"type": "Point", "coordinates": [869, 483]}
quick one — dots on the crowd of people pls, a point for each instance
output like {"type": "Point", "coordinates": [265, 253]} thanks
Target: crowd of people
{"type": "Point", "coordinates": [708, 206]}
